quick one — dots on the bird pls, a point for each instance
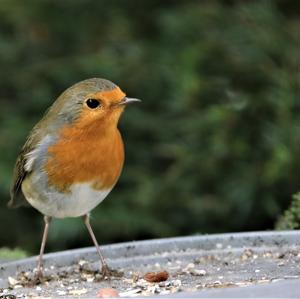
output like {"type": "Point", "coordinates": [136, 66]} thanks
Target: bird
{"type": "Point", "coordinates": [72, 157]}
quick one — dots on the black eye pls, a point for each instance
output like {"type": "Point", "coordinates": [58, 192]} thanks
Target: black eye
{"type": "Point", "coordinates": [92, 103]}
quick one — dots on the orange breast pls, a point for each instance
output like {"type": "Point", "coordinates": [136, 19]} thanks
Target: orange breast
{"type": "Point", "coordinates": [84, 156]}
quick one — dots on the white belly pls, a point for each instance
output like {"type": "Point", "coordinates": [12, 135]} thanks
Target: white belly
{"type": "Point", "coordinates": [79, 201]}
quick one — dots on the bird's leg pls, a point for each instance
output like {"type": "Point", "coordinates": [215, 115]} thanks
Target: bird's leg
{"type": "Point", "coordinates": [105, 270]}
{"type": "Point", "coordinates": [47, 221]}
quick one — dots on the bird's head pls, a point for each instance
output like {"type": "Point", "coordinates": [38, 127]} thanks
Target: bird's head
{"type": "Point", "coordinates": [91, 102]}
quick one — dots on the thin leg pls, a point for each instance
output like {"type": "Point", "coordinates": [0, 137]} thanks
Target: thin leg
{"type": "Point", "coordinates": [105, 270]}
{"type": "Point", "coordinates": [47, 221]}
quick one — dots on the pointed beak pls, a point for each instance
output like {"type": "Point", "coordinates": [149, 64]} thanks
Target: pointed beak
{"type": "Point", "coordinates": [127, 101]}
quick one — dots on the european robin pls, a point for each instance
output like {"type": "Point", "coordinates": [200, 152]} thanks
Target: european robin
{"type": "Point", "coordinates": [73, 156]}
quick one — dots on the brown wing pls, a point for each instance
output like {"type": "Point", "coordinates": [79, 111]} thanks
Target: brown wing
{"type": "Point", "coordinates": [19, 173]}
{"type": "Point", "coordinates": [16, 195]}
{"type": "Point", "coordinates": [49, 125]}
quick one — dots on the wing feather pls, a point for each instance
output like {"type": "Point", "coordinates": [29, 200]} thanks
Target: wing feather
{"type": "Point", "coordinates": [21, 170]}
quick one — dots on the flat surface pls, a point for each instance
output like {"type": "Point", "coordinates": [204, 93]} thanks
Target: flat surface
{"type": "Point", "coordinates": [263, 264]}
{"type": "Point", "coordinates": [282, 289]}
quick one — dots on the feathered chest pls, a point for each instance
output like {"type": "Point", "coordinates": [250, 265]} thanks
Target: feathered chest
{"type": "Point", "coordinates": [85, 157]}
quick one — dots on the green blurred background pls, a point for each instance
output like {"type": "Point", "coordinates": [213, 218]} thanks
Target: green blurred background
{"type": "Point", "coordinates": [214, 147]}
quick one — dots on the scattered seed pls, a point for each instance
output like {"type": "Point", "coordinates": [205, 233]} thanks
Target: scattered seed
{"type": "Point", "coordinates": [130, 292]}
{"type": "Point", "coordinates": [12, 281]}
{"type": "Point", "coordinates": [198, 272]}
{"type": "Point", "coordinates": [61, 293]}
{"type": "Point", "coordinates": [281, 264]}
{"type": "Point", "coordinates": [78, 292]}
{"type": "Point", "coordinates": [81, 263]}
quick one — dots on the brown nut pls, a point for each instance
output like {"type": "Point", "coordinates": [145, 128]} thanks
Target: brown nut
{"type": "Point", "coordinates": [156, 276]}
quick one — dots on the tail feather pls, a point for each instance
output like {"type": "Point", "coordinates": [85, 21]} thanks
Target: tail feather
{"type": "Point", "coordinates": [18, 200]}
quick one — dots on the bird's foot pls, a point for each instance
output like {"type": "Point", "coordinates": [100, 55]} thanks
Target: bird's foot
{"type": "Point", "coordinates": [107, 273]}
{"type": "Point", "coordinates": [38, 277]}
{"type": "Point", "coordinates": [33, 279]}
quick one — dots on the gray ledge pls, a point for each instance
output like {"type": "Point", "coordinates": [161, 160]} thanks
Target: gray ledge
{"type": "Point", "coordinates": [129, 254]}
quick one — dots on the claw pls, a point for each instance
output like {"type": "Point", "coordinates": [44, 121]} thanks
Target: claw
{"type": "Point", "coordinates": [106, 272]}
{"type": "Point", "coordinates": [39, 275]}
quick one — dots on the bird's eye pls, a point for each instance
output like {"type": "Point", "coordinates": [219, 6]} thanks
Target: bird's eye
{"type": "Point", "coordinates": [93, 103]}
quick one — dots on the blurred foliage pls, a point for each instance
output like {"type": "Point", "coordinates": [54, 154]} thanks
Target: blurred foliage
{"type": "Point", "coordinates": [11, 254]}
{"type": "Point", "coordinates": [214, 146]}
{"type": "Point", "coordinates": [291, 217]}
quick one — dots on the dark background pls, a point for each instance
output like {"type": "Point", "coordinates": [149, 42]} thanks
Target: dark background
{"type": "Point", "coordinates": [215, 145]}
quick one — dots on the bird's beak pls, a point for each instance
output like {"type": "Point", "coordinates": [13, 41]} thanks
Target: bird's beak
{"type": "Point", "coordinates": [127, 101]}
